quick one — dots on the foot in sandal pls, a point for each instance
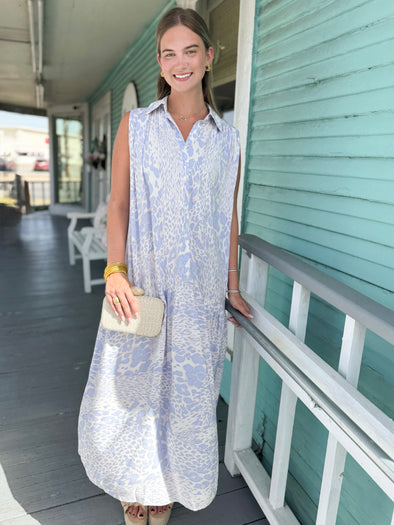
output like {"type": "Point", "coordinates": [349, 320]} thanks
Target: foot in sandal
{"type": "Point", "coordinates": [159, 515]}
{"type": "Point", "coordinates": [134, 513]}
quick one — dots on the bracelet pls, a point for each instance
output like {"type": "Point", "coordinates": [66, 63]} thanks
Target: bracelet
{"type": "Point", "coordinates": [233, 270]}
{"type": "Point", "coordinates": [115, 268]}
{"type": "Point", "coordinates": [233, 291]}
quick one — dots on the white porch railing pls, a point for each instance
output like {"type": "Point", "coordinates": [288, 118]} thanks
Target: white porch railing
{"type": "Point", "coordinates": [356, 426]}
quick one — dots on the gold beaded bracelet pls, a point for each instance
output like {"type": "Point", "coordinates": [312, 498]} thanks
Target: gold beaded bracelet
{"type": "Point", "coordinates": [115, 268]}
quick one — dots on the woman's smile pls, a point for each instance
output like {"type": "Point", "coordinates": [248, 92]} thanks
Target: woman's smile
{"type": "Point", "coordinates": [183, 76]}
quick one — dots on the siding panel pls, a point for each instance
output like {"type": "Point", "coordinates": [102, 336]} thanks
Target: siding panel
{"type": "Point", "coordinates": [320, 183]}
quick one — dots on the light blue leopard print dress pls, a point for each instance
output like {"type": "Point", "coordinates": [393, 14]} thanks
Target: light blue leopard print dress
{"type": "Point", "coordinates": [147, 426]}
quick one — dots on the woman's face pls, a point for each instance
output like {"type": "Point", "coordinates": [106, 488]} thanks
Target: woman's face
{"type": "Point", "coordinates": [183, 58]}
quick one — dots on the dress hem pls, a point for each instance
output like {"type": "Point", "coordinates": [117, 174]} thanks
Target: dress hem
{"type": "Point", "coordinates": [144, 502]}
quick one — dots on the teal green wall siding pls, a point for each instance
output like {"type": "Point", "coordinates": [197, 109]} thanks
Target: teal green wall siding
{"type": "Point", "coordinates": [319, 182]}
{"type": "Point", "coordinates": [138, 65]}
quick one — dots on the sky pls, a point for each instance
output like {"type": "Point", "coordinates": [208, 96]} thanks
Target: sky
{"type": "Point", "coordinates": [18, 119]}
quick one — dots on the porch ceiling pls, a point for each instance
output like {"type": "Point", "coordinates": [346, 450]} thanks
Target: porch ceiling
{"type": "Point", "coordinates": [81, 41]}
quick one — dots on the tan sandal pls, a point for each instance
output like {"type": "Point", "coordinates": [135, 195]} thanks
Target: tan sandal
{"type": "Point", "coordinates": [129, 520]}
{"type": "Point", "coordinates": [162, 518]}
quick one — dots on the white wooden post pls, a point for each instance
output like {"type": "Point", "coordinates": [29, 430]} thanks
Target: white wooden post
{"type": "Point", "coordinates": [298, 321]}
{"type": "Point", "coordinates": [253, 279]}
{"type": "Point", "coordinates": [334, 465]}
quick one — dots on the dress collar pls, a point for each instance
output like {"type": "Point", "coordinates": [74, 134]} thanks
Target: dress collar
{"type": "Point", "coordinates": [163, 103]}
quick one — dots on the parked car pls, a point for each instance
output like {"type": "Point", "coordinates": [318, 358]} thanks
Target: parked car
{"type": "Point", "coordinates": [10, 165]}
{"type": "Point", "coordinates": [41, 165]}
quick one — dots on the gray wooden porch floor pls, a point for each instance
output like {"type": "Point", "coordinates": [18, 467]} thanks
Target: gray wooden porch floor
{"type": "Point", "coordinates": [48, 326]}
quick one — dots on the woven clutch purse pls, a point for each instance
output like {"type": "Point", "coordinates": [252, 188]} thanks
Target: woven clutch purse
{"type": "Point", "coordinates": [148, 324]}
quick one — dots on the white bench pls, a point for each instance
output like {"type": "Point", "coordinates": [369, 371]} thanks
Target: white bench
{"type": "Point", "coordinates": [89, 241]}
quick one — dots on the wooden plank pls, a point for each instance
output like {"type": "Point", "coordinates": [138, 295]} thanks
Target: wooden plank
{"type": "Point", "coordinates": [296, 51]}
{"type": "Point", "coordinates": [259, 482]}
{"type": "Point", "coordinates": [223, 511]}
{"type": "Point", "coordinates": [284, 434]}
{"type": "Point", "coordinates": [360, 125]}
{"type": "Point", "coordinates": [354, 146]}
{"type": "Point", "coordinates": [373, 231]}
{"type": "Point", "coordinates": [336, 185]}
{"type": "Point", "coordinates": [307, 107]}
{"type": "Point", "coordinates": [277, 16]}
{"type": "Point", "coordinates": [346, 65]}
{"type": "Point", "coordinates": [345, 207]}
{"type": "Point", "coordinates": [352, 350]}
{"type": "Point", "coordinates": [324, 169]}
{"type": "Point", "coordinates": [355, 83]}
{"type": "Point", "coordinates": [329, 245]}
{"type": "Point", "coordinates": [253, 278]}
{"type": "Point", "coordinates": [334, 465]}
{"type": "Point", "coordinates": [327, 258]}
{"type": "Point", "coordinates": [100, 510]}
{"type": "Point", "coordinates": [103, 509]}
{"type": "Point", "coordinates": [297, 325]}
{"type": "Point", "coordinates": [309, 22]}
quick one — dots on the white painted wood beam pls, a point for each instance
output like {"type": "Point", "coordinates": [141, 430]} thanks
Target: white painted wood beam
{"type": "Point", "coordinates": [253, 279]}
{"type": "Point", "coordinates": [367, 416]}
{"type": "Point", "coordinates": [334, 465]}
{"type": "Point", "coordinates": [258, 481]}
{"type": "Point", "coordinates": [284, 434]}
{"type": "Point", "coordinates": [299, 310]}
{"type": "Point", "coordinates": [376, 317]}
{"type": "Point", "coordinates": [288, 401]}
{"type": "Point", "coordinates": [288, 362]}
{"type": "Point", "coordinates": [187, 4]}
{"type": "Point", "coordinates": [247, 10]}
{"type": "Point", "coordinates": [352, 350]}
{"type": "Point", "coordinates": [370, 457]}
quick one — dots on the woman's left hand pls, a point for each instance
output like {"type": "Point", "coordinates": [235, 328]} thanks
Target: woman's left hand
{"type": "Point", "coordinates": [240, 304]}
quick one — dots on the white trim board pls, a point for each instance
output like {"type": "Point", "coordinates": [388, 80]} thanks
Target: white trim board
{"type": "Point", "coordinates": [242, 84]}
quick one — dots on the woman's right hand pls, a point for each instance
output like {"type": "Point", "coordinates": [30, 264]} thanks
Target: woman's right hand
{"type": "Point", "coordinates": [118, 285]}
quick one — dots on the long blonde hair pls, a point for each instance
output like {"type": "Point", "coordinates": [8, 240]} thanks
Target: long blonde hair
{"type": "Point", "coordinates": [192, 20]}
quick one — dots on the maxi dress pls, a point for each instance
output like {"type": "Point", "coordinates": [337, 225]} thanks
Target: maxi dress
{"type": "Point", "coordinates": [147, 425]}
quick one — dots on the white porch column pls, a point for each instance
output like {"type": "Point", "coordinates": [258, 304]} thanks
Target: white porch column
{"type": "Point", "coordinates": [242, 85]}
{"type": "Point", "coordinates": [187, 4]}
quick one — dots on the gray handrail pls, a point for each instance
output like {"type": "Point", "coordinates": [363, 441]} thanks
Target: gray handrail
{"type": "Point", "coordinates": [366, 311]}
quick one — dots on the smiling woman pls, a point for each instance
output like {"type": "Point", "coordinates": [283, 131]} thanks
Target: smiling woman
{"type": "Point", "coordinates": [183, 69]}
{"type": "Point", "coordinates": [147, 428]}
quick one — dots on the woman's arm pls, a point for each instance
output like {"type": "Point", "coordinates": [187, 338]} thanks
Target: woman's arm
{"type": "Point", "coordinates": [118, 206]}
{"type": "Point", "coordinates": [234, 296]}
{"type": "Point", "coordinates": [117, 223]}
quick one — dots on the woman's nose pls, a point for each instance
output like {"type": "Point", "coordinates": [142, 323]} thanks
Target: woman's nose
{"type": "Point", "coordinates": [182, 61]}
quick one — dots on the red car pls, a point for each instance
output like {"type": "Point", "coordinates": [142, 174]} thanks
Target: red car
{"type": "Point", "coordinates": [41, 165]}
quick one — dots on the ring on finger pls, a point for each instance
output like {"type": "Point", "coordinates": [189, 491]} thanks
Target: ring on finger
{"type": "Point", "coordinates": [116, 300]}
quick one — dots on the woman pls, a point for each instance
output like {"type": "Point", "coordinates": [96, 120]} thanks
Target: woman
{"type": "Point", "coordinates": [147, 429]}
